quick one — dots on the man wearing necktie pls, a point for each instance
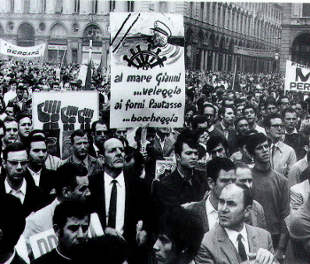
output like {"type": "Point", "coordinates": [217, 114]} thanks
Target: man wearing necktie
{"type": "Point", "coordinates": [120, 199]}
{"type": "Point", "coordinates": [231, 240]}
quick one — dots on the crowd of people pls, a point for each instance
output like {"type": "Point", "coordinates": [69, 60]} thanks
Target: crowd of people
{"type": "Point", "coordinates": [239, 192]}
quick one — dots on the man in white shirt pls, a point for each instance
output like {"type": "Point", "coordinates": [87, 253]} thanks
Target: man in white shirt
{"type": "Point", "coordinates": [233, 241]}
{"type": "Point", "coordinates": [221, 171]}
{"type": "Point", "coordinates": [36, 171]}
{"type": "Point", "coordinates": [113, 191]}
{"type": "Point", "coordinates": [15, 161]}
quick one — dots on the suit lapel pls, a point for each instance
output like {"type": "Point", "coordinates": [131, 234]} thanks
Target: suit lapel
{"type": "Point", "coordinates": [226, 246]}
{"type": "Point", "coordinates": [251, 239]}
{"type": "Point", "coordinates": [203, 215]}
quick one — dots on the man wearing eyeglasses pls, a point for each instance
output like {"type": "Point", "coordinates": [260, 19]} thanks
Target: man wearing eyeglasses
{"type": "Point", "coordinates": [15, 161]}
{"type": "Point", "coordinates": [99, 135]}
{"type": "Point", "coordinates": [282, 156]}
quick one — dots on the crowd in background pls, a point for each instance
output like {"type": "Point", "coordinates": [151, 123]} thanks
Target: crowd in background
{"type": "Point", "coordinates": [241, 171]}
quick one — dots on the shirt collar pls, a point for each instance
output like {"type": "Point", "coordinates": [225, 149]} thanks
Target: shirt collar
{"type": "Point", "coordinates": [11, 258]}
{"type": "Point", "coordinates": [8, 188]}
{"type": "Point", "coordinates": [78, 161]}
{"type": "Point", "coordinates": [120, 179]}
{"type": "Point", "coordinates": [33, 172]}
{"type": "Point", "coordinates": [209, 206]}
{"type": "Point", "coordinates": [232, 234]}
{"type": "Point", "coordinates": [294, 132]}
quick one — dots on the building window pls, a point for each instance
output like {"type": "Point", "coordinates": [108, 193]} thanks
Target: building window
{"type": "Point", "coordinates": [43, 6]}
{"type": "Point", "coordinates": [130, 6]}
{"type": "Point", "coordinates": [163, 6]}
{"type": "Point", "coordinates": [58, 7]}
{"type": "Point", "coordinates": [94, 6]}
{"type": "Point", "coordinates": [191, 9]}
{"type": "Point", "coordinates": [76, 6]}
{"type": "Point", "coordinates": [202, 10]}
{"type": "Point", "coordinates": [112, 5]}
{"type": "Point", "coordinates": [12, 6]}
{"type": "Point", "coordinates": [26, 6]}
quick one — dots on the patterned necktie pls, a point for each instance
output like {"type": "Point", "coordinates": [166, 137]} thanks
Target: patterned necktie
{"type": "Point", "coordinates": [241, 248]}
{"type": "Point", "coordinates": [112, 208]}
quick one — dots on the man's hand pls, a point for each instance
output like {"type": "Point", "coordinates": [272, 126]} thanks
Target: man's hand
{"type": "Point", "coordinates": [263, 256]}
{"type": "Point", "coordinates": [280, 255]}
{"type": "Point", "coordinates": [141, 235]}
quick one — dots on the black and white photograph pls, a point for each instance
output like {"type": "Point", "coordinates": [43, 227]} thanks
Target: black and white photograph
{"type": "Point", "coordinates": [154, 132]}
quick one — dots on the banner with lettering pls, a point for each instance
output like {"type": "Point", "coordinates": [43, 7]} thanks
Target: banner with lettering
{"type": "Point", "coordinates": [66, 112]}
{"type": "Point", "coordinates": [9, 49]}
{"type": "Point", "coordinates": [147, 70]}
{"type": "Point", "coordinates": [297, 77]}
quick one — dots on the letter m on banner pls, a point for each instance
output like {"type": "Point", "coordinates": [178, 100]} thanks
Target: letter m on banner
{"type": "Point", "coordinates": [302, 77]}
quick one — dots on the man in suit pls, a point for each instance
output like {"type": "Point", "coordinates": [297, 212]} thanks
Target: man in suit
{"type": "Point", "coordinates": [185, 184]}
{"type": "Point", "coordinates": [80, 145]}
{"type": "Point", "coordinates": [231, 240]}
{"type": "Point", "coordinates": [120, 200]}
{"type": "Point", "coordinates": [292, 136]}
{"type": "Point", "coordinates": [100, 133]}
{"type": "Point", "coordinates": [15, 161]}
{"type": "Point", "coordinates": [225, 127]}
{"type": "Point", "coordinates": [72, 184]}
{"type": "Point", "coordinates": [162, 146]}
{"type": "Point", "coordinates": [282, 156]}
{"type": "Point", "coordinates": [12, 224]}
{"type": "Point", "coordinates": [36, 171]}
{"type": "Point", "coordinates": [220, 171]}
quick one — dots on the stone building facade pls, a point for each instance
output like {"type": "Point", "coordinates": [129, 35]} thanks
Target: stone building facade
{"type": "Point", "coordinates": [218, 35]}
{"type": "Point", "coordinates": [295, 40]}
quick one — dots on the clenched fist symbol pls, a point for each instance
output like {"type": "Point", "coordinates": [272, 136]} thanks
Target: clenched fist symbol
{"type": "Point", "coordinates": [48, 114]}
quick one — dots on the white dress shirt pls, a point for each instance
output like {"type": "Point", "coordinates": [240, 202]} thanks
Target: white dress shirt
{"type": "Point", "coordinates": [20, 193]}
{"type": "Point", "coordinates": [212, 213]}
{"type": "Point", "coordinates": [36, 176]}
{"type": "Point", "coordinates": [233, 235]}
{"type": "Point", "coordinates": [120, 203]}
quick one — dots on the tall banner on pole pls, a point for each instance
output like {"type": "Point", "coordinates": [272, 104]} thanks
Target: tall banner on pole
{"type": "Point", "coordinates": [297, 77]}
{"type": "Point", "coordinates": [147, 70]}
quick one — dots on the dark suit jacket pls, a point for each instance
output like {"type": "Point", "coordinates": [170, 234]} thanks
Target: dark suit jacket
{"type": "Point", "coordinates": [257, 217]}
{"type": "Point", "coordinates": [17, 260]}
{"type": "Point", "coordinates": [217, 248]}
{"type": "Point", "coordinates": [155, 150]}
{"type": "Point", "coordinates": [137, 203]}
{"type": "Point", "coordinates": [35, 199]}
{"type": "Point", "coordinates": [231, 140]}
{"type": "Point", "coordinates": [173, 190]}
{"type": "Point", "coordinates": [47, 180]}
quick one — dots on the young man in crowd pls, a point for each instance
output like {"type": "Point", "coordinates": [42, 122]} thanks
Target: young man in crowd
{"type": "Point", "coordinates": [282, 156]}
{"type": "Point", "coordinates": [270, 189]}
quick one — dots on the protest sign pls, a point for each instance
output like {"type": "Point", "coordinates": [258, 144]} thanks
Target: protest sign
{"type": "Point", "coordinates": [64, 111]}
{"type": "Point", "coordinates": [147, 70]}
{"type": "Point", "coordinates": [297, 77]}
{"type": "Point", "coordinates": [43, 242]}
{"type": "Point", "coordinates": [9, 49]}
